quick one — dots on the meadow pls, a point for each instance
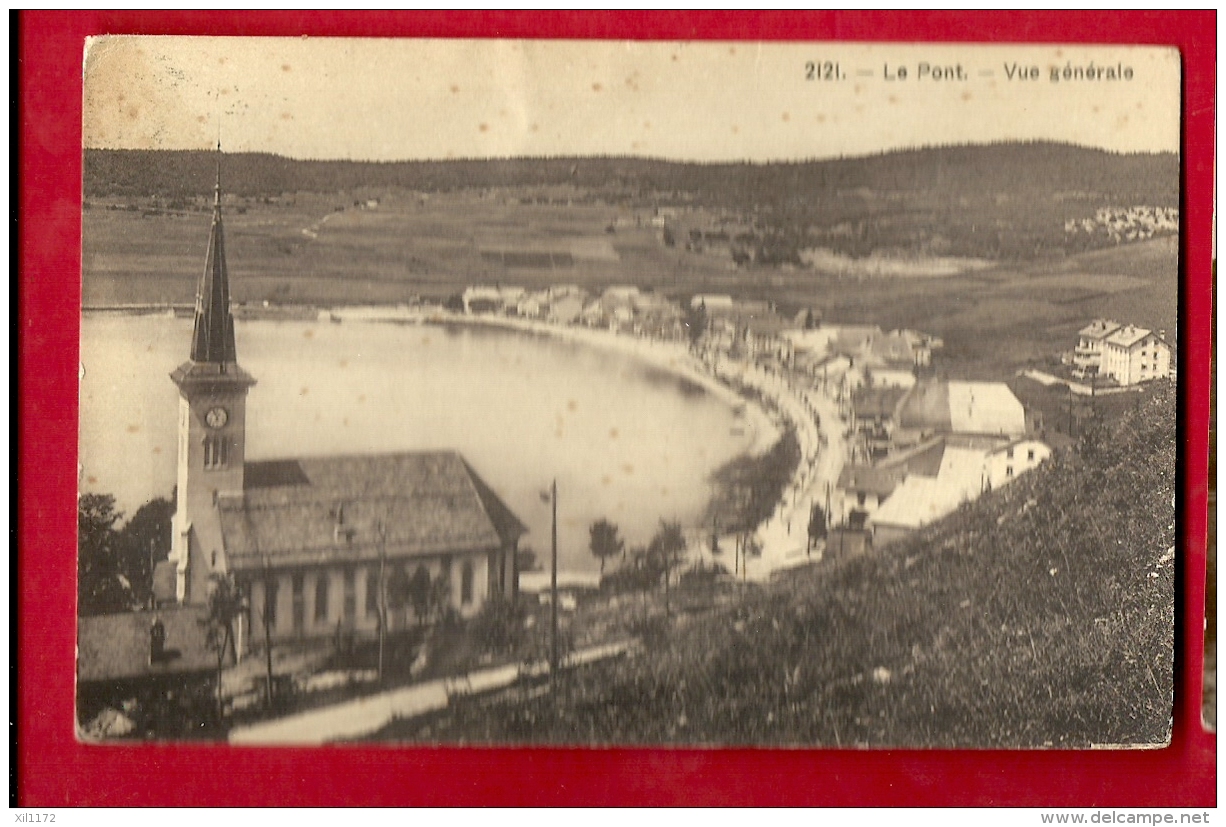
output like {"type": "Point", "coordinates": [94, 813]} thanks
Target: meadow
{"type": "Point", "coordinates": [324, 249]}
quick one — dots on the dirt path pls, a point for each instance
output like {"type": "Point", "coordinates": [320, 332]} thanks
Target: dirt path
{"type": "Point", "coordinates": [363, 716]}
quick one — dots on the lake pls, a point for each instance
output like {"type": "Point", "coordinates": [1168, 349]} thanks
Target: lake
{"type": "Point", "coordinates": [625, 440]}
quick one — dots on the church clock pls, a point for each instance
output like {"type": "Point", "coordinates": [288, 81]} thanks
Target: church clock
{"type": "Point", "coordinates": [217, 417]}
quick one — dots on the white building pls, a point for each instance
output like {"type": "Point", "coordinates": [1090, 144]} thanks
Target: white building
{"type": "Point", "coordinates": [1007, 462]}
{"type": "Point", "coordinates": [1133, 354]}
{"type": "Point", "coordinates": [967, 471]}
{"type": "Point", "coordinates": [1089, 350]}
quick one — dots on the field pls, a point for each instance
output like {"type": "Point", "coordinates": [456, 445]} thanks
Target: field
{"type": "Point", "coordinates": [998, 319]}
{"type": "Point", "coordinates": [326, 249]}
{"type": "Point", "coordinates": [319, 249]}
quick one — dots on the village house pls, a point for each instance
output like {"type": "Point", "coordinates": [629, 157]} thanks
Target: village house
{"type": "Point", "coordinates": [533, 305]}
{"type": "Point", "coordinates": [868, 347]}
{"type": "Point", "coordinates": [567, 308]}
{"type": "Point", "coordinates": [1003, 463]}
{"type": "Point", "coordinates": [874, 413]}
{"type": "Point", "coordinates": [482, 299]}
{"type": "Point", "coordinates": [319, 546]}
{"type": "Point", "coordinates": [1089, 350]}
{"type": "Point", "coordinates": [1133, 354]}
{"type": "Point", "coordinates": [936, 445]}
{"type": "Point", "coordinates": [964, 469]}
{"type": "Point", "coordinates": [968, 468]}
{"type": "Point", "coordinates": [861, 488]}
{"type": "Point", "coordinates": [151, 670]}
{"type": "Point", "coordinates": [1124, 353]}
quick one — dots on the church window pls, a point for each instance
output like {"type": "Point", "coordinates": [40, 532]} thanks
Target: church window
{"type": "Point", "coordinates": [466, 583]}
{"type": "Point", "coordinates": [321, 598]}
{"type": "Point", "coordinates": [372, 593]}
{"type": "Point", "coordinates": [270, 602]}
{"type": "Point", "coordinates": [351, 596]}
{"type": "Point", "coordinates": [298, 587]}
{"type": "Point", "coordinates": [216, 451]}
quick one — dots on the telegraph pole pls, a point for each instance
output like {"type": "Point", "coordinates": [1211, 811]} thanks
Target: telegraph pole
{"type": "Point", "coordinates": [553, 585]}
{"type": "Point", "coordinates": [382, 595]}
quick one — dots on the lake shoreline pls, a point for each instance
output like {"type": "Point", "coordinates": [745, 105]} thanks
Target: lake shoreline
{"type": "Point", "coordinates": [766, 411]}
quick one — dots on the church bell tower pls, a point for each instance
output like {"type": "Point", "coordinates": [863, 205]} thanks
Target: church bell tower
{"type": "Point", "coordinates": [212, 425]}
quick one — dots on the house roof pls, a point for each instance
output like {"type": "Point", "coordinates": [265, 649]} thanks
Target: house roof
{"type": "Point", "coordinates": [985, 408]}
{"type": "Point", "coordinates": [915, 503]}
{"type": "Point", "coordinates": [1099, 329]}
{"type": "Point", "coordinates": [767, 324]}
{"type": "Point", "coordinates": [1127, 337]}
{"type": "Point", "coordinates": [568, 308]}
{"type": "Point", "coordinates": [926, 407]}
{"type": "Point", "coordinates": [116, 646]}
{"type": "Point", "coordinates": [352, 508]}
{"type": "Point", "coordinates": [920, 500]}
{"type": "Point", "coordinates": [1014, 443]}
{"type": "Point", "coordinates": [877, 402]}
{"type": "Point", "coordinates": [853, 340]}
{"type": "Point", "coordinates": [924, 458]}
{"type": "Point", "coordinates": [870, 480]}
{"type": "Point", "coordinates": [891, 348]}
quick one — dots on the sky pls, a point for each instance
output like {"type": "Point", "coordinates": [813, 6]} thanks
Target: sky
{"type": "Point", "coordinates": [367, 99]}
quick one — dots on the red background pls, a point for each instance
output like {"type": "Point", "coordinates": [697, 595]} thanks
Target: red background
{"type": "Point", "coordinates": [54, 770]}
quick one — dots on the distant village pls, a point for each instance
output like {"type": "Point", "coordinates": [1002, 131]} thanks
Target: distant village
{"type": "Point", "coordinates": [919, 446]}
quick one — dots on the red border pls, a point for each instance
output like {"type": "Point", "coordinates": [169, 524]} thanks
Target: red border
{"type": "Point", "coordinates": [53, 769]}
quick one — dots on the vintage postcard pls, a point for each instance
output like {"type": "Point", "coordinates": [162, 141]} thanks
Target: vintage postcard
{"type": "Point", "coordinates": [600, 393]}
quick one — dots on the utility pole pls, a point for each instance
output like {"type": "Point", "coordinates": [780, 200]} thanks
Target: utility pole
{"type": "Point", "coordinates": [382, 595]}
{"type": "Point", "coordinates": [152, 586]}
{"type": "Point", "coordinates": [1070, 410]}
{"type": "Point", "coordinates": [270, 588]}
{"type": "Point", "coordinates": [553, 585]}
{"type": "Point", "coordinates": [268, 641]}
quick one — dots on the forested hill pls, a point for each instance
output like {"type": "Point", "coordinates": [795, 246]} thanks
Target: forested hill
{"type": "Point", "coordinates": [1004, 168]}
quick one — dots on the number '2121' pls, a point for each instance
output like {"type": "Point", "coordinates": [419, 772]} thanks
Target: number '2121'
{"type": "Point", "coordinates": [822, 70]}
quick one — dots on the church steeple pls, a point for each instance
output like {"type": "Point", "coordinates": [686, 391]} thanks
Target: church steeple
{"type": "Point", "coordinates": [212, 424]}
{"type": "Point", "coordinates": [213, 336]}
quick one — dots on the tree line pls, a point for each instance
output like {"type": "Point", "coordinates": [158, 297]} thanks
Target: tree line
{"type": "Point", "coordinates": [967, 169]}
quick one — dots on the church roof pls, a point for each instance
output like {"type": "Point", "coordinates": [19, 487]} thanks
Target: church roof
{"type": "Point", "coordinates": [214, 358]}
{"type": "Point", "coordinates": [213, 335]}
{"type": "Point", "coordinates": [312, 511]}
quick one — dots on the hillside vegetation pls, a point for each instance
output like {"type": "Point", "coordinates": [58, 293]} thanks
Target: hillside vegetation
{"type": "Point", "coordinates": [1042, 614]}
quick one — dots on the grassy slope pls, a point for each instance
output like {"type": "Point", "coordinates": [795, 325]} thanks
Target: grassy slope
{"type": "Point", "coordinates": [998, 320]}
{"type": "Point", "coordinates": [1041, 614]}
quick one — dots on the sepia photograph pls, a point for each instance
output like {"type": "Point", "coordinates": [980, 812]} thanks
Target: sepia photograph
{"type": "Point", "coordinates": [597, 393]}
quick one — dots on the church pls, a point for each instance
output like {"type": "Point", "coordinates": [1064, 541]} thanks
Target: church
{"type": "Point", "coordinates": [319, 546]}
